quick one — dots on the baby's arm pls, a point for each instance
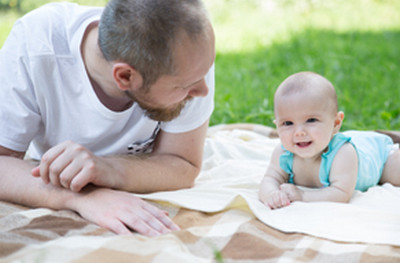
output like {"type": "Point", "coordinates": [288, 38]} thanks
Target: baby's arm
{"type": "Point", "coordinates": [343, 177]}
{"type": "Point", "coordinates": [270, 193]}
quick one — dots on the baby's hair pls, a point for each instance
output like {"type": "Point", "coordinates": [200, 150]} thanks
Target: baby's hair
{"type": "Point", "coordinates": [307, 81]}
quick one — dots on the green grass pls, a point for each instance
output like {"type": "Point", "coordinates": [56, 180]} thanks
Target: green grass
{"type": "Point", "coordinates": [9, 16]}
{"type": "Point", "coordinates": [363, 67]}
{"type": "Point", "coordinates": [353, 43]}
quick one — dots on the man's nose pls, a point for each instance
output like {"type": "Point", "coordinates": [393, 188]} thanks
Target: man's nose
{"type": "Point", "coordinates": [199, 90]}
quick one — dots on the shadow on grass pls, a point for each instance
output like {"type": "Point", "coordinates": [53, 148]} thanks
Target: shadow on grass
{"type": "Point", "coordinates": [363, 66]}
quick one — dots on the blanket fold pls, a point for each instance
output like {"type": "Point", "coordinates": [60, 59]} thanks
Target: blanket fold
{"type": "Point", "coordinates": [234, 164]}
{"type": "Point", "coordinates": [221, 219]}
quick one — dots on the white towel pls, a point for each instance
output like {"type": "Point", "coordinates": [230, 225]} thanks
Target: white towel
{"type": "Point", "coordinates": [233, 166]}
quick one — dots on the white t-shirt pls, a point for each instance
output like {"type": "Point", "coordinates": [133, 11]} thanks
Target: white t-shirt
{"type": "Point", "coordinates": [46, 96]}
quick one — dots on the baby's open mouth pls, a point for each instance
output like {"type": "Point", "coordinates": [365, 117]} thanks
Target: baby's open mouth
{"type": "Point", "coordinates": [303, 144]}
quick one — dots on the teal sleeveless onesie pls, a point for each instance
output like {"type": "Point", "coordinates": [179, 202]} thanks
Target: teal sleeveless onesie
{"type": "Point", "coordinates": [372, 149]}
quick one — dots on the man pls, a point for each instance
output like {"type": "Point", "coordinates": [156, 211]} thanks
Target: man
{"type": "Point", "coordinates": [84, 90]}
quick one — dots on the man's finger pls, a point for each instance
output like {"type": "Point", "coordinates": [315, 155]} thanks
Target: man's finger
{"type": "Point", "coordinates": [144, 227]}
{"type": "Point", "coordinates": [161, 216]}
{"type": "Point", "coordinates": [117, 227]}
{"type": "Point", "coordinates": [47, 159]}
{"type": "Point", "coordinates": [80, 180]}
{"type": "Point", "coordinates": [36, 171]}
{"type": "Point", "coordinates": [69, 175]}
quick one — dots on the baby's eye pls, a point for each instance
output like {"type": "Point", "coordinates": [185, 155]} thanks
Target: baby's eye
{"type": "Point", "coordinates": [311, 120]}
{"type": "Point", "coordinates": [287, 123]}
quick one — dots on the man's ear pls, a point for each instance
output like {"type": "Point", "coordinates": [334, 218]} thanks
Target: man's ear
{"type": "Point", "coordinates": [338, 121]}
{"type": "Point", "coordinates": [126, 76]}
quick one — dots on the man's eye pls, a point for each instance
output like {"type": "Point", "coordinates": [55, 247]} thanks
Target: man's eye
{"type": "Point", "coordinates": [311, 120]}
{"type": "Point", "coordinates": [287, 123]}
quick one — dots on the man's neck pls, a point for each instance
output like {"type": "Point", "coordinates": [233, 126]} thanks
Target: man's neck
{"type": "Point", "coordinates": [100, 72]}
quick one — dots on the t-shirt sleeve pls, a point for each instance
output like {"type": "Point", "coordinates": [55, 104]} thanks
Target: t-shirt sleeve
{"type": "Point", "coordinates": [19, 115]}
{"type": "Point", "coordinates": [196, 112]}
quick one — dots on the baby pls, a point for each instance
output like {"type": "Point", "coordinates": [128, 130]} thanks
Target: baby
{"type": "Point", "coordinates": [314, 154]}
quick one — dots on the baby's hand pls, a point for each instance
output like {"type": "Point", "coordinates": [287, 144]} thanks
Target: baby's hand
{"type": "Point", "coordinates": [277, 199]}
{"type": "Point", "coordinates": [292, 192]}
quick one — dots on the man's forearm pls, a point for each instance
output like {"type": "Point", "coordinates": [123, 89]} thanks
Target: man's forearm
{"type": "Point", "coordinates": [118, 211]}
{"type": "Point", "coordinates": [18, 186]}
{"type": "Point", "coordinates": [152, 173]}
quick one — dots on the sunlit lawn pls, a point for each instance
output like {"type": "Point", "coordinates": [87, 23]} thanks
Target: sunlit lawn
{"type": "Point", "coordinates": [353, 43]}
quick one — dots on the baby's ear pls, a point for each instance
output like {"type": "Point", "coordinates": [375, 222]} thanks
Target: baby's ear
{"type": "Point", "coordinates": [338, 120]}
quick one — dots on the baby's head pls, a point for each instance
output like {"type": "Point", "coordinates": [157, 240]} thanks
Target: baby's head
{"type": "Point", "coordinates": [306, 113]}
{"type": "Point", "coordinates": [307, 85]}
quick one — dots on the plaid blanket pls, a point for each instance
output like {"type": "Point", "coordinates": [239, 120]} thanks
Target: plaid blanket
{"type": "Point", "coordinates": [234, 234]}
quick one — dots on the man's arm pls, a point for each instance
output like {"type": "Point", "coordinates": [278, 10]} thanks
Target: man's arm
{"type": "Point", "coordinates": [174, 164]}
{"type": "Point", "coordinates": [116, 210]}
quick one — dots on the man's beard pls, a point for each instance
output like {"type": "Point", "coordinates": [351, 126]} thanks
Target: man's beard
{"type": "Point", "coordinates": [159, 114]}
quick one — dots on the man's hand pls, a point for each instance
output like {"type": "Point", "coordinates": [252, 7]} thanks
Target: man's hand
{"type": "Point", "coordinates": [121, 212]}
{"type": "Point", "coordinates": [72, 166]}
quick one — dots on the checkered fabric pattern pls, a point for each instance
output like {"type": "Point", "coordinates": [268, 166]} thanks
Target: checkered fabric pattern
{"type": "Point", "coordinates": [230, 235]}
{"type": "Point", "coordinates": [235, 235]}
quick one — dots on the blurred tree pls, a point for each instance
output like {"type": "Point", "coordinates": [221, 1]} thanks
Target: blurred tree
{"type": "Point", "coordinates": [10, 4]}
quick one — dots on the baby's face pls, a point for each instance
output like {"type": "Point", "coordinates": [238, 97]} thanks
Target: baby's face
{"type": "Point", "coordinates": [305, 123]}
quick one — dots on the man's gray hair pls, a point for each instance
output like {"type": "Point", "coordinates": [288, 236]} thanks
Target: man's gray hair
{"type": "Point", "coordinates": [143, 33]}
